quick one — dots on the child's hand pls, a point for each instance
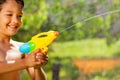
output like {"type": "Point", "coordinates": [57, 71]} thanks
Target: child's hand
{"type": "Point", "coordinates": [36, 58]}
{"type": "Point", "coordinates": [42, 57]}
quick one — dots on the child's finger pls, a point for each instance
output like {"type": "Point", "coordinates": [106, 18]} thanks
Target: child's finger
{"type": "Point", "coordinates": [35, 52]}
{"type": "Point", "coordinates": [44, 50]}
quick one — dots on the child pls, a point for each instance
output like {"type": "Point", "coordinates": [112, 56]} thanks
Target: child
{"type": "Point", "coordinates": [11, 61]}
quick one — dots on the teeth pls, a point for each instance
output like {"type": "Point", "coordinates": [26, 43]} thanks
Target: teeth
{"type": "Point", "coordinates": [12, 27]}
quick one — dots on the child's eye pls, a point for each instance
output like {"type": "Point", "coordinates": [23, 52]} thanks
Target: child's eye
{"type": "Point", "coordinates": [19, 16]}
{"type": "Point", "coordinates": [9, 14]}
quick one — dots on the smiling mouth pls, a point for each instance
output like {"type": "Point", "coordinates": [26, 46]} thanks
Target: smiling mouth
{"type": "Point", "coordinates": [13, 28]}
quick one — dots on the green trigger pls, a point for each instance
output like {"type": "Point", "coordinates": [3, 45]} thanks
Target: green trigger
{"type": "Point", "coordinates": [32, 46]}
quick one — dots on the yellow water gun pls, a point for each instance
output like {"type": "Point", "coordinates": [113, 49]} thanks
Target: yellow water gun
{"type": "Point", "coordinates": [41, 40]}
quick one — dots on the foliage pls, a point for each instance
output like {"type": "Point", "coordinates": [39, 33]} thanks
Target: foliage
{"type": "Point", "coordinates": [83, 19]}
{"type": "Point", "coordinates": [72, 72]}
{"type": "Point", "coordinates": [67, 69]}
{"type": "Point", "coordinates": [75, 20]}
{"type": "Point", "coordinates": [24, 75]}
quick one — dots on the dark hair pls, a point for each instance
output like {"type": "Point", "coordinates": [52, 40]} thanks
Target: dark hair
{"type": "Point", "coordinates": [21, 2]}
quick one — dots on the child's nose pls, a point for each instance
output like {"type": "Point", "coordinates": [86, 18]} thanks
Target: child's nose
{"type": "Point", "coordinates": [15, 20]}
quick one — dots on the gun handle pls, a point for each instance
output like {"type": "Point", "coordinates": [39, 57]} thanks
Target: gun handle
{"type": "Point", "coordinates": [45, 49]}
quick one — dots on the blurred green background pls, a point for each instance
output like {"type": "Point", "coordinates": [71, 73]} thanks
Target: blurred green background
{"type": "Point", "coordinates": [88, 29]}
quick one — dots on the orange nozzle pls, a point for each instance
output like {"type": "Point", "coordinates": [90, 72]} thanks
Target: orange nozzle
{"type": "Point", "coordinates": [56, 33]}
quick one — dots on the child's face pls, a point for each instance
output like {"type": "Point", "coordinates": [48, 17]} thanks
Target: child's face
{"type": "Point", "coordinates": [10, 18]}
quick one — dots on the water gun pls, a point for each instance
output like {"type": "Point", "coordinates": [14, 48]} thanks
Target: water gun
{"type": "Point", "coordinates": [41, 40]}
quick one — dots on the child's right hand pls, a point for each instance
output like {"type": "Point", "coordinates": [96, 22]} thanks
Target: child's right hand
{"type": "Point", "coordinates": [32, 61]}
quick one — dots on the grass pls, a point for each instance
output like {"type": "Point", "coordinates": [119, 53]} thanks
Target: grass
{"type": "Point", "coordinates": [90, 48]}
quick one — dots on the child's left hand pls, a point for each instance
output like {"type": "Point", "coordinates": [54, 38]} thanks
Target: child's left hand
{"type": "Point", "coordinates": [42, 57]}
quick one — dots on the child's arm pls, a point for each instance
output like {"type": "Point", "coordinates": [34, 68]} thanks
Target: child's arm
{"type": "Point", "coordinates": [37, 73]}
{"type": "Point", "coordinates": [15, 65]}
{"type": "Point", "coordinates": [6, 67]}
{"type": "Point", "coordinates": [40, 74]}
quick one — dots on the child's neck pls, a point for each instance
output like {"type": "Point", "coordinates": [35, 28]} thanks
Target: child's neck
{"type": "Point", "coordinates": [4, 39]}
